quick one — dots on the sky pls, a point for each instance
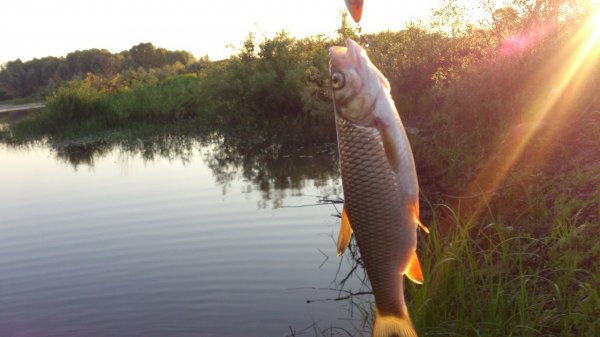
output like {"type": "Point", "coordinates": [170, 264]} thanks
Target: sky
{"type": "Point", "coordinates": [38, 28]}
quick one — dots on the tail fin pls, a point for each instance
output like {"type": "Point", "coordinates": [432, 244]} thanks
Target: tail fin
{"type": "Point", "coordinates": [393, 326]}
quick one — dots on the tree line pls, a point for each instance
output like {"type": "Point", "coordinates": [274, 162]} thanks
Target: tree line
{"type": "Point", "coordinates": [20, 79]}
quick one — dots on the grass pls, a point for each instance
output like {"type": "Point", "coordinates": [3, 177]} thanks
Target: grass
{"type": "Point", "coordinates": [495, 280]}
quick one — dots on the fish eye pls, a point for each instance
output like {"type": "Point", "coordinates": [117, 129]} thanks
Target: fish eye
{"type": "Point", "coordinates": [337, 80]}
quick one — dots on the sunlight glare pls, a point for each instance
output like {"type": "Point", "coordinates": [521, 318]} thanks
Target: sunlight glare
{"type": "Point", "coordinates": [558, 83]}
{"type": "Point", "coordinates": [596, 25]}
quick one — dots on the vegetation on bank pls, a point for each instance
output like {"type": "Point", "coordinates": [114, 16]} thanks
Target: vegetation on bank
{"type": "Point", "coordinates": [40, 77]}
{"type": "Point", "coordinates": [505, 132]}
{"type": "Point", "coordinates": [282, 86]}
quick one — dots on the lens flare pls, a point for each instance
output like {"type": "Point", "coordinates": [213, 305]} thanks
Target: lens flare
{"type": "Point", "coordinates": [559, 85]}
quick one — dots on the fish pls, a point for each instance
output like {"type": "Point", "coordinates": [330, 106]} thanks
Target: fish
{"type": "Point", "coordinates": [355, 9]}
{"type": "Point", "coordinates": [379, 180]}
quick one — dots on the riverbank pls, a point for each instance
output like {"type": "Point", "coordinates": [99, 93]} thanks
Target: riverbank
{"type": "Point", "coordinates": [4, 108]}
{"type": "Point", "coordinates": [13, 113]}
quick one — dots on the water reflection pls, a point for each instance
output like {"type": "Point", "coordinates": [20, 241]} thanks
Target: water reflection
{"type": "Point", "coordinates": [161, 244]}
{"type": "Point", "coordinates": [277, 167]}
{"type": "Point", "coordinates": [84, 152]}
{"type": "Point", "coordinates": [273, 167]}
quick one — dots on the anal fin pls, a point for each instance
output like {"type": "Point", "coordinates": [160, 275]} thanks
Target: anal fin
{"type": "Point", "coordinates": [413, 271]}
{"type": "Point", "coordinates": [345, 234]}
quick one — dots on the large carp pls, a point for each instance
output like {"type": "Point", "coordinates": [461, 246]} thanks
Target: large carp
{"type": "Point", "coordinates": [381, 191]}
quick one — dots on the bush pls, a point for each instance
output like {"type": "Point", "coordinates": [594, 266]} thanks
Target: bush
{"type": "Point", "coordinates": [172, 99]}
{"type": "Point", "coordinates": [78, 104]}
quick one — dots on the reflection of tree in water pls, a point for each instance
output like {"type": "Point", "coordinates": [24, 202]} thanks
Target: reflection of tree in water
{"type": "Point", "coordinates": [86, 151]}
{"type": "Point", "coordinates": [82, 154]}
{"type": "Point", "coordinates": [273, 166]}
{"type": "Point", "coordinates": [277, 167]}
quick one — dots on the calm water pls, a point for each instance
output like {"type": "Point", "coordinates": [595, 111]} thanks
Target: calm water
{"type": "Point", "coordinates": [174, 237]}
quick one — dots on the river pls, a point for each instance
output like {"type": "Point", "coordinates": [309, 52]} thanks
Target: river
{"type": "Point", "coordinates": [173, 237]}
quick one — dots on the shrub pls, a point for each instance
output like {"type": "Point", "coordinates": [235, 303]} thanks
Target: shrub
{"type": "Point", "coordinates": [78, 104]}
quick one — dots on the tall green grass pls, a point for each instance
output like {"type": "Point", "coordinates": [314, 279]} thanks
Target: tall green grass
{"type": "Point", "coordinates": [496, 280]}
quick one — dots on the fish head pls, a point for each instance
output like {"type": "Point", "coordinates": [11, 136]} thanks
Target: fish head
{"type": "Point", "coordinates": [355, 82]}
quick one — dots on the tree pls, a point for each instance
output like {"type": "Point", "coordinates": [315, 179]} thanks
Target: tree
{"type": "Point", "coordinates": [13, 79]}
{"type": "Point", "coordinates": [346, 31]}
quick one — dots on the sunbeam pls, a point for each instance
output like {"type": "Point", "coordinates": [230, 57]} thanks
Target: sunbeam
{"type": "Point", "coordinates": [559, 86]}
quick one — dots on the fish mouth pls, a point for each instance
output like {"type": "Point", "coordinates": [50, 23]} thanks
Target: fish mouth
{"type": "Point", "coordinates": [336, 55]}
{"type": "Point", "coordinates": [337, 51]}
{"type": "Point", "coordinates": [350, 54]}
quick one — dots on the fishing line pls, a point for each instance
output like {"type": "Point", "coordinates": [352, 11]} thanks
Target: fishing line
{"type": "Point", "coordinates": [363, 39]}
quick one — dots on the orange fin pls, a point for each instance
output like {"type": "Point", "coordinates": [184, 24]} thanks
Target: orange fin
{"type": "Point", "coordinates": [387, 326]}
{"type": "Point", "coordinates": [345, 234]}
{"type": "Point", "coordinates": [413, 271]}
{"type": "Point", "coordinates": [416, 215]}
{"type": "Point", "coordinates": [423, 227]}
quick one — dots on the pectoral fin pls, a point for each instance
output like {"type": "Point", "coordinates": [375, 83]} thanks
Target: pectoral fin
{"type": "Point", "coordinates": [423, 227]}
{"type": "Point", "coordinates": [345, 234]}
{"type": "Point", "coordinates": [390, 146]}
{"type": "Point", "coordinates": [416, 215]}
{"type": "Point", "coordinates": [413, 271]}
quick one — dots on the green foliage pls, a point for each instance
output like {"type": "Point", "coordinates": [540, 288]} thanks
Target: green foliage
{"type": "Point", "coordinates": [282, 83]}
{"type": "Point", "coordinates": [19, 79]}
{"type": "Point", "coordinates": [145, 55]}
{"type": "Point", "coordinates": [496, 281]}
{"type": "Point", "coordinates": [93, 103]}
{"type": "Point", "coordinates": [346, 31]}
{"type": "Point", "coordinates": [78, 104]}
{"type": "Point", "coordinates": [174, 98]}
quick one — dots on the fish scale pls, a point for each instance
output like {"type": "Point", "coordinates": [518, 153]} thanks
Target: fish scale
{"type": "Point", "coordinates": [373, 198]}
